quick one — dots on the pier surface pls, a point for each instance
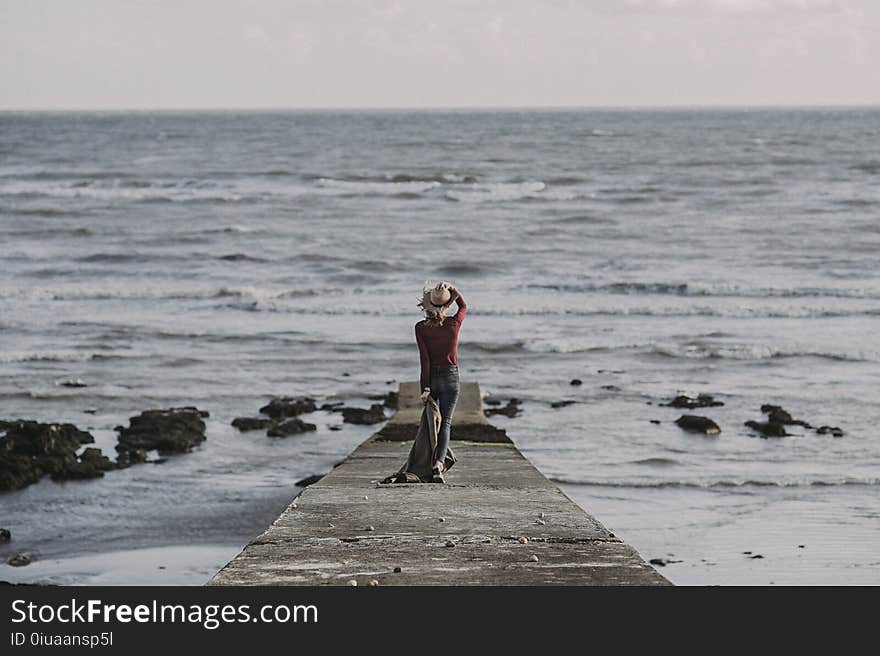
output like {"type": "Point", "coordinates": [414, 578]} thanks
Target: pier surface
{"type": "Point", "coordinates": [496, 521]}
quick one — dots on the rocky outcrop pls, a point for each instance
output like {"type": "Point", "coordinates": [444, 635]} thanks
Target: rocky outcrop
{"type": "Point", "coordinates": [372, 415]}
{"type": "Point", "coordinates": [389, 399]}
{"type": "Point", "coordinates": [292, 426]}
{"type": "Point", "coordinates": [90, 464]}
{"type": "Point", "coordinates": [702, 401]}
{"type": "Point", "coordinates": [20, 559]}
{"type": "Point", "coordinates": [287, 406]}
{"type": "Point", "coordinates": [252, 423]}
{"type": "Point", "coordinates": [30, 450]}
{"type": "Point", "coordinates": [5, 535]}
{"type": "Point", "coordinates": [778, 418]}
{"type": "Point", "coordinates": [767, 428]}
{"type": "Point", "coordinates": [698, 424]}
{"type": "Point", "coordinates": [512, 409]}
{"type": "Point", "coordinates": [777, 415]}
{"type": "Point", "coordinates": [175, 430]}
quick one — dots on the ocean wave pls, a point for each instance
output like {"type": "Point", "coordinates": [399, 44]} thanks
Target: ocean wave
{"type": "Point", "coordinates": [701, 290]}
{"type": "Point", "coordinates": [11, 358]}
{"type": "Point", "coordinates": [396, 178]}
{"type": "Point", "coordinates": [663, 462]}
{"type": "Point", "coordinates": [135, 191]}
{"type": "Point", "coordinates": [507, 191]}
{"type": "Point", "coordinates": [872, 167]}
{"type": "Point", "coordinates": [710, 483]}
{"type": "Point", "coordinates": [357, 188]}
{"type": "Point", "coordinates": [756, 352]}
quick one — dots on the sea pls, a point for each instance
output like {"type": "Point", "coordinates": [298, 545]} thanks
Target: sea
{"type": "Point", "coordinates": [218, 259]}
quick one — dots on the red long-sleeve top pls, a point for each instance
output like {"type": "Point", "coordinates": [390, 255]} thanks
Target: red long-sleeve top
{"type": "Point", "coordinates": [439, 344]}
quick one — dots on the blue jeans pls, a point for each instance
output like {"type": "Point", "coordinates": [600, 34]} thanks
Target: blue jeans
{"type": "Point", "coordinates": [445, 386]}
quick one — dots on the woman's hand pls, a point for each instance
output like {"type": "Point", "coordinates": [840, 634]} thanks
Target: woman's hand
{"type": "Point", "coordinates": [425, 395]}
{"type": "Point", "coordinates": [453, 292]}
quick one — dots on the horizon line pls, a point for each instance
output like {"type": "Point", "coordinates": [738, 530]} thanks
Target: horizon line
{"type": "Point", "coordinates": [434, 108]}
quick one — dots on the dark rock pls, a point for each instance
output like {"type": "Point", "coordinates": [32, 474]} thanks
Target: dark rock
{"type": "Point", "coordinates": [91, 411]}
{"type": "Point", "coordinates": [286, 406]}
{"type": "Point", "coordinates": [397, 570]}
{"type": "Point", "coordinates": [90, 464]}
{"type": "Point", "coordinates": [292, 426]}
{"type": "Point", "coordinates": [252, 423]}
{"type": "Point", "coordinates": [777, 415]}
{"type": "Point", "coordinates": [130, 457]}
{"type": "Point", "coordinates": [697, 424]}
{"type": "Point", "coordinates": [833, 430]}
{"type": "Point", "coordinates": [756, 556]}
{"type": "Point", "coordinates": [5, 535]}
{"type": "Point", "coordinates": [654, 421]}
{"type": "Point", "coordinates": [389, 399]}
{"type": "Point", "coordinates": [29, 450]}
{"type": "Point", "coordinates": [610, 388]}
{"type": "Point", "coordinates": [702, 401]}
{"type": "Point", "coordinates": [335, 427]}
{"type": "Point", "coordinates": [373, 415]}
{"type": "Point", "coordinates": [175, 430]}
{"type": "Point", "coordinates": [489, 401]}
{"type": "Point", "coordinates": [561, 404]}
{"type": "Point", "coordinates": [308, 480]}
{"type": "Point", "coordinates": [576, 381]}
{"type": "Point", "coordinates": [20, 559]}
{"type": "Point", "coordinates": [663, 562]}
{"type": "Point", "coordinates": [332, 406]}
{"type": "Point", "coordinates": [767, 428]}
{"type": "Point", "coordinates": [73, 383]}
{"type": "Point", "coordinates": [512, 409]}
{"type": "Point", "coordinates": [345, 373]}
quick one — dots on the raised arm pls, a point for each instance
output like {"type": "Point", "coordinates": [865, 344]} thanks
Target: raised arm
{"type": "Point", "coordinates": [462, 307]}
{"type": "Point", "coordinates": [425, 360]}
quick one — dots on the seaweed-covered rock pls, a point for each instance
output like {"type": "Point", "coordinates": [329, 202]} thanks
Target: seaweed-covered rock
{"type": "Point", "coordinates": [290, 427]}
{"type": "Point", "coordinates": [30, 449]}
{"type": "Point", "coordinates": [175, 430]}
{"type": "Point", "coordinates": [698, 424]}
{"type": "Point", "coordinates": [286, 406]}
{"type": "Point", "coordinates": [372, 415]}
{"type": "Point", "coordinates": [768, 428]}
{"type": "Point", "coordinates": [252, 423]}
{"type": "Point", "coordinates": [702, 401]}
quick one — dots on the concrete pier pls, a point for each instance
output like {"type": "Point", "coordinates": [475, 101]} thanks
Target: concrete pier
{"type": "Point", "coordinates": [497, 520]}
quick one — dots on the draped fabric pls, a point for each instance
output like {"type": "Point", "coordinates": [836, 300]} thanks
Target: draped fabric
{"type": "Point", "coordinates": [417, 468]}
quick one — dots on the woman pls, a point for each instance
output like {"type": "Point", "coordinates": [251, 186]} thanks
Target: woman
{"type": "Point", "coordinates": [437, 337]}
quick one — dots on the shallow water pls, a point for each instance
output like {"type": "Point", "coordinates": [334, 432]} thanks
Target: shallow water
{"type": "Point", "coordinates": [220, 258]}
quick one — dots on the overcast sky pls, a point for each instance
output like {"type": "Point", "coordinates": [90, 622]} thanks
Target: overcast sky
{"type": "Point", "coordinates": [436, 53]}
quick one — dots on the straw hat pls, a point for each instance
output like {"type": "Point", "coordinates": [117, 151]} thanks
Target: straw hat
{"type": "Point", "coordinates": [436, 301]}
